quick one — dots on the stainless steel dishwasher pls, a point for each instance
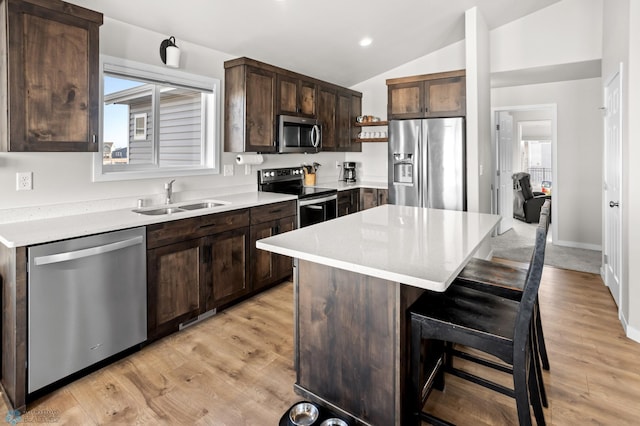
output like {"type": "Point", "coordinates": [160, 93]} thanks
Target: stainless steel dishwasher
{"type": "Point", "coordinates": [87, 301]}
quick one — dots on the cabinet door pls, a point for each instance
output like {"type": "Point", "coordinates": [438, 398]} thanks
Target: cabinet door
{"type": "Point", "coordinates": [249, 113]}
{"type": "Point", "coordinates": [348, 202]}
{"type": "Point", "coordinates": [287, 95]}
{"type": "Point", "coordinates": [174, 290]}
{"type": "Point", "coordinates": [284, 264]}
{"type": "Point", "coordinates": [307, 98]}
{"type": "Point", "coordinates": [445, 97]}
{"type": "Point", "coordinates": [296, 96]}
{"type": "Point", "coordinates": [355, 111]}
{"type": "Point", "coordinates": [327, 115]}
{"type": "Point", "coordinates": [368, 198]}
{"type": "Point", "coordinates": [343, 121]}
{"type": "Point", "coordinates": [406, 100]}
{"type": "Point", "coordinates": [269, 268]}
{"type": "Point", "coordinates": [383, 196]}
{"type": "Point", "coordinates": [53, 78]}
{"type": "Point", "coordinates": [260, 113]}
{"type": "Point", "coordinates": [226, 256]}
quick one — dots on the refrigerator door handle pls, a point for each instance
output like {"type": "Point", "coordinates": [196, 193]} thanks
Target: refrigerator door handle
{"type": "Point", "coordinates": [418, 165]}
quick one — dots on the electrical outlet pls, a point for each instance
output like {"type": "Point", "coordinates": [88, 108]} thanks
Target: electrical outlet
{"type": "Point", "coordinates": [247, 169]}
{"type": "Point", "coordinates": [24, 181]}
{"type": "Point", "coordinates": [228, 169]}
{"type": "Point", "coordinates": [337, 164]}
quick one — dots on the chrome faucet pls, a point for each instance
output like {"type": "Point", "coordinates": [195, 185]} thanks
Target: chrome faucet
{"type": "Point", "coordinates": [168, 191]}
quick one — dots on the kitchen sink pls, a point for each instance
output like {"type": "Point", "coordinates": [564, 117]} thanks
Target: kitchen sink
{"type": "Point", "coordinates": [160, 211]}
{"type": "Point", "coordinates": [201, 205]}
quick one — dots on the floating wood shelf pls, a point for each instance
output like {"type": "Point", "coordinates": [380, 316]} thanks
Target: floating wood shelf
{"type": "Point", "coordinates": [372, 124]}
{"type": "Point", "coordinates": [371, 140]}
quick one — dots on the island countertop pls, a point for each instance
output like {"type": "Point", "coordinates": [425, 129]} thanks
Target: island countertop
{"type": "Point", "coordinates": [420, 247]}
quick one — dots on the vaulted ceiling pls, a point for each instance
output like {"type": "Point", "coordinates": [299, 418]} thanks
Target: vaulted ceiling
{"type": "Point", "coordinates": [317, 39]}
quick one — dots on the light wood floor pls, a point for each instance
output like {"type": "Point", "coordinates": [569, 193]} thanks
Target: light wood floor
{"type": "Point", "coordinates": [236, 369]}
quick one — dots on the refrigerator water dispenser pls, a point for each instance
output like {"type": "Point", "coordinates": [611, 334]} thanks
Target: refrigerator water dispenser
{"type": "Point", "coordinates": [403, 169]}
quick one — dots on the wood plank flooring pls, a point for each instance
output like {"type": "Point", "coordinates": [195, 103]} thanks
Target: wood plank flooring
{"type": "Point", "coordinates": [236, 368]}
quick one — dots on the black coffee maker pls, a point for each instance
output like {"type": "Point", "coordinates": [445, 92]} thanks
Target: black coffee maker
{"type": "Point", "coordinates": [349, 171]}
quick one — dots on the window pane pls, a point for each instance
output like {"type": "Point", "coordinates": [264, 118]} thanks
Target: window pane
{"type": "Point", "coordinates": [181, 118]}
{"type": "Point", "coordinates": [127, 104]}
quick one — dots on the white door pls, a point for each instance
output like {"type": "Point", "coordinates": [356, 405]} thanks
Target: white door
{"type": "Point", "coordinates": [504, 136]}
{"type": "Point", "coordinates": [613, 180]}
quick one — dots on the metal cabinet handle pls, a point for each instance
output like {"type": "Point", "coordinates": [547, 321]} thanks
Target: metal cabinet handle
{"type": "Point", "coordinates": [613, 204]}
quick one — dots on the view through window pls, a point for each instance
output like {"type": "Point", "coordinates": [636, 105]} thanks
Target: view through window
{"type": "Point", "coordinates": [154, 126]}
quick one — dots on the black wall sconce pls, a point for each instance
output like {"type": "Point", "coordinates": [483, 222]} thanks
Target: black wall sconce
{"type": "Point", "coordinates": [170, 53]}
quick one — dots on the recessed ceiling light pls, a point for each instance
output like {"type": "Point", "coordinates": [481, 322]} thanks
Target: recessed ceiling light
{"type": "Point", "coordinates": [365, 41]}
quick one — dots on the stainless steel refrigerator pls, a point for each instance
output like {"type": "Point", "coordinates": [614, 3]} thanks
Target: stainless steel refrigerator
{"type": "Point", "coordinates": [427, 166]}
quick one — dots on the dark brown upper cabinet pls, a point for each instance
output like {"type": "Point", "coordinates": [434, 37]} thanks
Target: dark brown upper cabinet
{"type": "Point", "coordinates": [255, 93]}
{"type": "Point", "coordinates": [49, 76]}
{"type": "Point", "coordinates": [296, 96]}
{"type": "Point", "coordinates": [249, 114]}
{"type": "Point", "coordinates": [427, 96]}
{"type": "Point", "coordinates": [327, 106]}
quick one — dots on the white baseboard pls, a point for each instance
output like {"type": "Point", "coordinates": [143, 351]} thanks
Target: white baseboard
{"type": "Point", "coordinates": [574, 244]}
{"type": "Point", "coordinates": [631, 332]}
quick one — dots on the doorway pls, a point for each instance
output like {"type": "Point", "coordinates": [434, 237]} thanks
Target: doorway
{"type": "Point", "coordinates": [525, 140]}
{"type": "Point", "coordinates": [612, 214]}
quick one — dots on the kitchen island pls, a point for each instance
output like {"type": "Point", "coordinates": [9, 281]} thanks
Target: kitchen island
{"type": "Point", "coordinates": [355, 278]}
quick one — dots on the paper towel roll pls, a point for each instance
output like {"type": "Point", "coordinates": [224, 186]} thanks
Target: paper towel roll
{"type": "Point", "coordinates": [249, 159]}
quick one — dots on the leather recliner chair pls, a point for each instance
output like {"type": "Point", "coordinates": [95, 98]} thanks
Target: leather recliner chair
{"type": "Point", "coordinates": [526, 202]}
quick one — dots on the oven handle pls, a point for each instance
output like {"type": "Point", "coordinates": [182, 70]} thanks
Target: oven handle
{"type": "Point", "coordinates": [307, 202]}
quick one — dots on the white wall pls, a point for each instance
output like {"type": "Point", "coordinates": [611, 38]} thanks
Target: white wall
{"type": "Point", "coordinates": [372, 161]}
{"type": "Point", "coordinates": [578, 183]}
{"type": "Point", "coordinates": [67, 177]}
{"type": "Point", "coordinates": [565, 32]}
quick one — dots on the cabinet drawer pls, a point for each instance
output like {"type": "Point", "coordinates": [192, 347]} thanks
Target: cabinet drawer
{"type": "Point", "coordinates": [272, 211]}
{"type": "Point", "coordinates": [179, 230]}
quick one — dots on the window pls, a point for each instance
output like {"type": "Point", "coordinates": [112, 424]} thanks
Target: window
{"type": "Point", "coordinates": [140, 127]}
{"type": "Point", "coordinates": [156, 122]}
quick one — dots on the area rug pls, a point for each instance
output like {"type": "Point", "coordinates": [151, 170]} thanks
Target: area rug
{"type": "Point", "coordinates": [517, 244]}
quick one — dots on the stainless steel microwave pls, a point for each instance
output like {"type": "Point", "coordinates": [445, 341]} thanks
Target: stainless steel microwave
{"type": "Point", "coordinates": [299, 134]}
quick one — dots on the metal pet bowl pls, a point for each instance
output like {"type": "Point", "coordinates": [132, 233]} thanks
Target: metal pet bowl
{"type": "Point", "coordinates": [303, 414]}
{"type": "Point", "coordinates": [334, 422]}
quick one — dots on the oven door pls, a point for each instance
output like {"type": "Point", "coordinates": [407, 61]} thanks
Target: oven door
{"type": "Point", "coordinates": [316, 210]}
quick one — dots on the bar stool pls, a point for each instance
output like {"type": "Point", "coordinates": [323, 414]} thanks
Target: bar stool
{"type": "Point", "coordinates": [491, 324]}
{"type": "Point", "coordinates": [508, 282]}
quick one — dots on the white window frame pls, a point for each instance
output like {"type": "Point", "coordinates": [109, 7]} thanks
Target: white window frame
{"type": "Point", "coordinates": [140, 132]}
{"type": "Point", "coordinates": [211, 123]}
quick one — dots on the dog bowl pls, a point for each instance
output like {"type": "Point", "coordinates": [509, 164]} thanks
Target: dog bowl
{"type": "Point", "coordinates": [303, 414]}
{"type": "Point", "coordinates": [334, 422]}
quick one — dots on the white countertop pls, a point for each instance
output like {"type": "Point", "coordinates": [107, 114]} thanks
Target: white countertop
{"type": "Point", "coordinates": [343, 186]}
{"type": "Point", "coordinates": [420, 247]}
{"type": "Point", "coordinates": [39, 231]}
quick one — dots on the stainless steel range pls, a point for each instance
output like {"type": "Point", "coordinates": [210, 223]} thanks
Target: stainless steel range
{"type": "Point", "coordinates": [314, 204]}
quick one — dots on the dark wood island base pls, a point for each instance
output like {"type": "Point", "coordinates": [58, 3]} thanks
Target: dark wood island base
{"type": "Point", "coordinates": [351, 342]}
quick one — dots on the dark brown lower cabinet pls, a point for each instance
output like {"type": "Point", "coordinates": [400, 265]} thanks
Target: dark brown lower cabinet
{"type": "Point", "coordinates": [269, 268]}
{"type": "Point", "coordinates": [348, 201]}
{"type": "Point", "coordinates": [372, 197]}
{"type": "Point", "coordinates": [226, 259]}
{"type": "Point", "coordinates": [195, 265]}
{"type": "Point", "coordinates": [174, 286]}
